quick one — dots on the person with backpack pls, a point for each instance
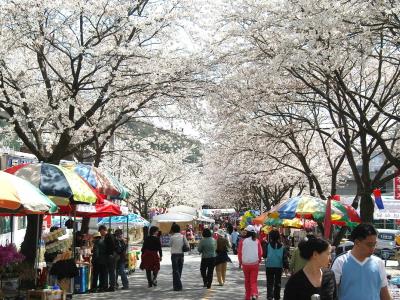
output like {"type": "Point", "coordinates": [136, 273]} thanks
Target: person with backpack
{"type": "Point", "coordinates": [276, 259]}
{"type": "Point", "coordinates": [120, 249]}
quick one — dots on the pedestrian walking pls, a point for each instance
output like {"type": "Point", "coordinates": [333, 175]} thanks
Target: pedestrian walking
{"type": "Point", "coordinates": [151, 256]}
{"type": "Point", "coordinates": [222, 257]}
{"type": "Point", "coordinates": [358, 273]}
{"type": "Point", "coordinates": [314, 278]}
{"type": "Point", "coordinates": [235, 240]}
{"type": "Point", "coordinates": [206, 248]}
{"type": "Point", "coordinates": [178, 243]}
{"type": "Point", "coordinates": [120, 248]}
{"type": "Point", "coordinates": [250, 255]}
{"type": "Point", "coordinates": [276, 259]}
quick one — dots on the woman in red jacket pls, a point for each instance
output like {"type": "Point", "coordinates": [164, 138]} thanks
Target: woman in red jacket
{"type": "Point", "coordinates": [249, 255]}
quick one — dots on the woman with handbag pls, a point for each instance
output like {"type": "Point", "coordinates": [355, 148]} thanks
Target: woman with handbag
{"type": "Point", "coordinates": [151, 256]}
{"type": "Point", "coordinates": [179, 245]}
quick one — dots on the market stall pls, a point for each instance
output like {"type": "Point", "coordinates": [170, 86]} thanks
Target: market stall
{"type": "Point", "coordinates": [17, 197]}
{"type": "Point", "coordinates": [132, 225]}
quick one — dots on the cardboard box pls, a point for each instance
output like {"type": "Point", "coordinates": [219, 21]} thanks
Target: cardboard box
{"type": "Point", "coordinates": [46, 295]}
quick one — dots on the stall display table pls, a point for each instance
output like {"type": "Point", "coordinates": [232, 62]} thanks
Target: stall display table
{"type": "Point", "coordinates": [133, 256]}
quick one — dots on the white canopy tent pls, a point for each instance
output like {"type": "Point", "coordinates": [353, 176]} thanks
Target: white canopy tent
{"type": "Point", "coordinates": [183, 209]}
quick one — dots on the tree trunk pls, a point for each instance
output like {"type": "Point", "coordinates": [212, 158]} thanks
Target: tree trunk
{"type": "Point", "coordinates": [85, 225]}
{"type": "Point", "coordinates": [367, 208]}
{"type": "Point", "coordinates": [29, 245]}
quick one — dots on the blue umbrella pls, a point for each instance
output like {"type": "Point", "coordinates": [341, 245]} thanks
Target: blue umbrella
{"type": "Point", "coordinates": [131, 219]}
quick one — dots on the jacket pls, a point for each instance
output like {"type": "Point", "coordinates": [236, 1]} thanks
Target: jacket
{"type": "Point", "coordinates": [249, 251]}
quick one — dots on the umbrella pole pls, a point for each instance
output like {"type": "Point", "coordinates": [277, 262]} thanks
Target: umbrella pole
{"type": "Point", "coordinates": [12, 228]}
{"type": "Point", "coordinates": [38, 251]}
{"type": "Point", "coordinates": [73, 234]}
{"type": "Point", "coordinates": [127, 228]}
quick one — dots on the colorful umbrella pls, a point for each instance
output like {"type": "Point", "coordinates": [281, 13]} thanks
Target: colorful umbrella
{"type": "Point", "coordinates": [104, 209]}
{"type": "Point", "coordinates": [60, 184]}
{"type": "Point", "coordinates": [260, 219]}
{"type": "Point", "coordinates": [304, 207]}
{"type": "Point", "coordinates": [131, 219]}
{"type": "Point", "coordinates": [21, 197]}
{"type": "Point", "coordinates": [350, 216]}
{"type": "Point", "coordinates": [103, 182]}
{"type": "Point", "coordinates": [291, 223]}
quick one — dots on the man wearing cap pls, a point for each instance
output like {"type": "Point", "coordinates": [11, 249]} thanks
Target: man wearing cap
{"type": "Point", "coordinates": [99, 270]}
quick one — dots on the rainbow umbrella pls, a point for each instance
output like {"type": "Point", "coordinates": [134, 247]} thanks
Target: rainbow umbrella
{"type": "Point", "coordinates": [103, 182]}
{"type": "Point", "coordinates": [304, 207]}
{"type": "Point", "coordinates": [291, 223]}
{"type": "Point", "coordinates": [21, 197]}
{"type": "Point", "coordinates": [350, 216]}
{"type": "Point", "coordinates": [61, 185]}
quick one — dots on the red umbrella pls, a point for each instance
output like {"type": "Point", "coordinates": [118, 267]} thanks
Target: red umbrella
{"type": "Point", "coordinates": [105, 209]}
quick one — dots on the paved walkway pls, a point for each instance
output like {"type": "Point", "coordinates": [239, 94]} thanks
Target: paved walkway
{"type": "Point", "coordinates": [191, 280]}
{"type": "Point", "coordinates": [193, 283]}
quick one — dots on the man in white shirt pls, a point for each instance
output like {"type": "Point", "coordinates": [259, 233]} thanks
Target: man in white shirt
{"type": "Point", "coordinates": [359, 274]}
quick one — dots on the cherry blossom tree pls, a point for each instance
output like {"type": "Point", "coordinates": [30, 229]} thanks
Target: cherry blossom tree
{"type": "Point", "coordinates": [336, 61]}
{"type": "Point", "coordinates": [73, 72]}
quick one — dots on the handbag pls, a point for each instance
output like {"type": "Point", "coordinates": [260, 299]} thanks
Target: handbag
{"type": "Point", "coordinates": [184, 247]}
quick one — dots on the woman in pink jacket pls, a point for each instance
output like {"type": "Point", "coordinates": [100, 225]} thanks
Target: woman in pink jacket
{"type": "Point", "coordinates": [249, 255]}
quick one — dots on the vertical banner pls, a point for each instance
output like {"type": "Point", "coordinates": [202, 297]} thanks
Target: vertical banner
{"type": "Point", "coordinates": [396, 189]}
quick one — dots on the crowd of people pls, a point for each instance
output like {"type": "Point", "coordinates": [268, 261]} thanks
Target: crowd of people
{"type": "Point", "coordinates": [355, 274]}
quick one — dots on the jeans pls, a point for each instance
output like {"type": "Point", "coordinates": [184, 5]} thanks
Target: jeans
{"type": "Point", "coordinates": [274, 276]}
{"type": "Point", "coordinates": [221, 272]}
{"type": "Point", "coordinates": [207, 270]}
{"type": "Point", "coordinates": [111, 270]}
{"type": "Point", "coordinates": [121, 272]}
{"type": "Point", "coordinates": [177, 266]}
{"type": "Point", "coordinates": [250, 280]}
{"type": "Point", "coordinates": [234, 249]}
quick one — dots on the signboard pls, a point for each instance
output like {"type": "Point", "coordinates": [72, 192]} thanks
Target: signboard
{"type": "Point", "coordinates": [391, 210]}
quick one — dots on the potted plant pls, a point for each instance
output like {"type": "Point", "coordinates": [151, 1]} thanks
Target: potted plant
{"type": "Point", "coordinates": [10, 260]}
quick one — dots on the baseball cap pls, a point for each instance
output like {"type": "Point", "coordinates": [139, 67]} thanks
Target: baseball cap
{"type": "Point", "coordinates": [250, 228]}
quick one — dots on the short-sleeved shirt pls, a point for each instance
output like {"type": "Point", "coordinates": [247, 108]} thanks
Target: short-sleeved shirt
{"type": "Point", "coordinates": [359, 280]}
{"type": "Point", "coordinates": [299, 287]}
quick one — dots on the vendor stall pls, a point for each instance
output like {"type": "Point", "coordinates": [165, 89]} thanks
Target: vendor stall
{"type": "Point", "coordinates": [133, 225]}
